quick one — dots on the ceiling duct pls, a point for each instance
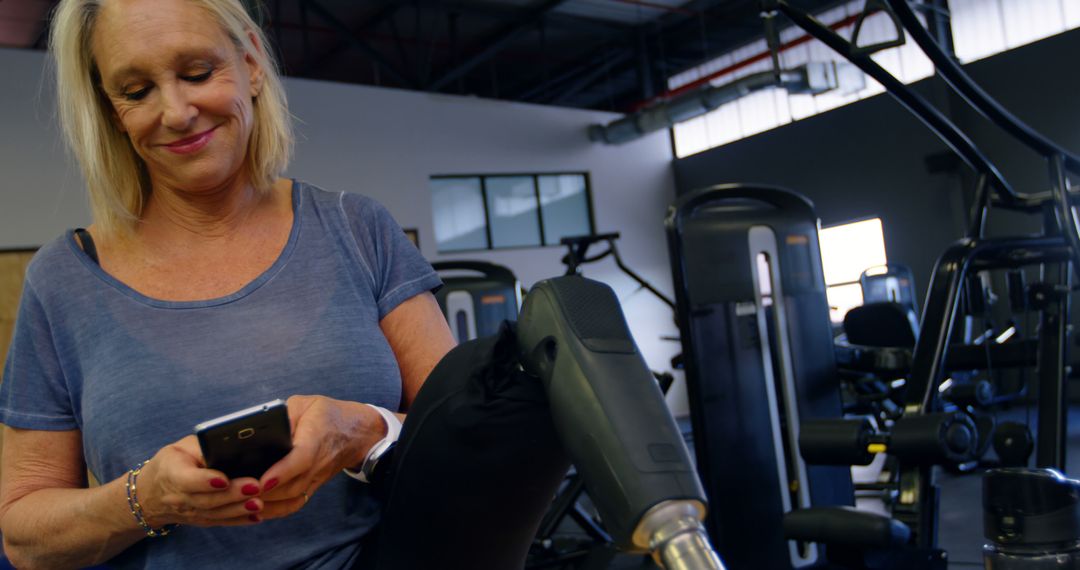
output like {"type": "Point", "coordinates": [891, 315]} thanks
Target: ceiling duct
{"type": "Point", "coordinates": [809, 79]}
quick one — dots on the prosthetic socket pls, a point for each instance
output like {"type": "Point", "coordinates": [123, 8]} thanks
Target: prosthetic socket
{"type": "Point", "coordinates": [612, 419]}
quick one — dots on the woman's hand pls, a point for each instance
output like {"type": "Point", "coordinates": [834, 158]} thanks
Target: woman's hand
{"type": "Point", "coordinates": [175, 487]}
{"type": "Point", "coordinates": [328, 435]}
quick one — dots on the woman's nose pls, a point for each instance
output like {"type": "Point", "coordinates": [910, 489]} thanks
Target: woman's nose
{"type": "Point", "coordinates": [178, 113]}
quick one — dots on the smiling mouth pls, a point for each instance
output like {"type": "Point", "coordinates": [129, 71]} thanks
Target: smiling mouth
{"type": "Point", "coordinates": [192, 143]}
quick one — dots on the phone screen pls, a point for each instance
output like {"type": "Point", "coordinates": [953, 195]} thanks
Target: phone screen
{"type": "Point", "coordinates": [246, 443]}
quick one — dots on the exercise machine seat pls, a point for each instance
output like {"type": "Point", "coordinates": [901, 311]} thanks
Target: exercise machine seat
{"type": "Point", "coordinates": [886, 324]}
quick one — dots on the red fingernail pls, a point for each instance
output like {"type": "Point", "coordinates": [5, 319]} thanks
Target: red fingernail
{"type": "Point", "coordinates": [270, 485]}
{"type": "Point", "coordinates": [218, 483]}
{"type": "Point", "coordinates": [250, 489]}
{"type": "Point", "coordinates": [254, 518]}
{"type": "Point", "coordinates": [252, 505]}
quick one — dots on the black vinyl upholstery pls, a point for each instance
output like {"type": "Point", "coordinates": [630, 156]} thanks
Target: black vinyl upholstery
{"type": "Point", "coordinates": [885, 324]}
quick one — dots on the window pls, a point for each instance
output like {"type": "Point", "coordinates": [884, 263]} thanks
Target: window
{"type": "Point", "coordinates": [981, 28]}
{"type": "Point", "coordinates": [504, 211]}
{"type": "Point", "coordinates": [846, 251]}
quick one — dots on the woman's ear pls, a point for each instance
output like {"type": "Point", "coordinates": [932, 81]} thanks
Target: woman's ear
{"type": "Point", "coordinates": [256, 74]}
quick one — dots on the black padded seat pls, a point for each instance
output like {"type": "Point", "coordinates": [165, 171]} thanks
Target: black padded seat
{"type": "Point", "coordinates": [885, 324]}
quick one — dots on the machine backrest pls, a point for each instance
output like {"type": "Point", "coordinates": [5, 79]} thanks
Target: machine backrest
{"type": "Point", "coordinates": [889, 283]}
{"type": "Point", "coordinates": [758, 351]}
{"type": "Point", "coordinates": [477, 297]}
{"type": "Point", "coordinates": [887, 324]}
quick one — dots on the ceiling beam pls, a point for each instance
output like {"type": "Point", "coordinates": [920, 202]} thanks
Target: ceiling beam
{"type": "Point", "coordinates": [496, 43]}
{"type": "Point", "coordinates": [683, 46]}
{"type": "Point", "coordinates": [620, 57]}
{"type": "Point", "coordinates": [383, 13]}
{"type": "Point", "coordinates": [555, 19]}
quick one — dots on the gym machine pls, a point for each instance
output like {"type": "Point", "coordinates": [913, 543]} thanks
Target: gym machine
{"type": "Point", "coordinates": [758, 353]}
{"type": "Point", "coordinates": [477, 297]}
{"type": "Point", "coordinates": [577, 254]}
{"type": "Point", "coordinates": [592, 547]}
{"type": "Point", "coordinates": [926, 433]}
{"type": "Point", "coordinates": [614, 423]}
{"type": "Point", "coordinates": [489, 437]}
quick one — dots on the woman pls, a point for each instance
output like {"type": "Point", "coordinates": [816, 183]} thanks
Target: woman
{"type": "Point", "coordinates": [205, 285]}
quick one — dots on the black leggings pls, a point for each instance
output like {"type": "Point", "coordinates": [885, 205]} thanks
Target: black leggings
{"type": "Point", "coordinates": [476, 468]}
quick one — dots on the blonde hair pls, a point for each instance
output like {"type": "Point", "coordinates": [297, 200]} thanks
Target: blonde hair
{"type": "Point", "coordinates": [116, 178]}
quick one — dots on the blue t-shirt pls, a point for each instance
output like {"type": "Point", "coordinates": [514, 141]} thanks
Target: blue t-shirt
{"type": "Point", "coordinates": [134, 373]}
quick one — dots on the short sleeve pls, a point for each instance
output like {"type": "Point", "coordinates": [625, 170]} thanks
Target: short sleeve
{"type": "Point", "coordinates": [398, 270]}
{"type": "Point", "coordinates": [34, 392]}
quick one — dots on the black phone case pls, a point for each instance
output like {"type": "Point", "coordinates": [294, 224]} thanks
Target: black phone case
{"type": "Point", "coordinates": [248, 446]}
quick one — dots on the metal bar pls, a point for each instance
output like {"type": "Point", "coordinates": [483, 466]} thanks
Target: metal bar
{"type": "Point", "coordinates": [539, 207]}
{"type": "Point", "coordinates": [1065, 213]}
{"type": "Point", "coordinates": [942, 302]}
{"type": "Point", "coordinates": [561, 507]}
{"type": "Point", "coordinates": [509, 11]}
{"type": "Point", "coordinates": [1053, 320]}
{"type": "Point", "coordinates": [594, 75]}
{"type": "Point", "coordinates": [917, 504]}
{"type": "Point", "coordinates": [357, 43]}
{"type": "Point", "coordinates": [387, 10]}
{"type": "Point", "coordinates": [980, 100]}
{"type": "Point", "coordinates": [979, 207]}
{"type": "Point", "coordinates": [452, 32]}
{"type": "Point", "coordinates": [1053, 331]}
{"type": "Point", "coordinates": [639, 279]}
{"type": "Point", "coordinates": [591, 528]}
{"type": "Point", "coordinates": [487, 213]}
{"type": "Point", "coordinates": [939, 24]}
{"type": "Point", "coordinates": [305, 36]}
{"type": "Point", "coordinates": [496, 43]}
{"type": "Point", "coordinates": [928, 114]}
{"type": "Point", "coordinates": [644, 67]}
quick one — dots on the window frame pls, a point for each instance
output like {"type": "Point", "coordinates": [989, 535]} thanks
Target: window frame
{"type": "Point", "coordinates": [539, 206]}
{"type": "Point", "coordinates": [884, 246]}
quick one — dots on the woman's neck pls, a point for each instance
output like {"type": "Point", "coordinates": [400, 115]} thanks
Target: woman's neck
{"type": "Point", "coordinates": [209, 215]}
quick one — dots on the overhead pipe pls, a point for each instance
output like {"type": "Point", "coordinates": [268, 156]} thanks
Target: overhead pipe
{"type": "Point", "coordinates": [811, 78]}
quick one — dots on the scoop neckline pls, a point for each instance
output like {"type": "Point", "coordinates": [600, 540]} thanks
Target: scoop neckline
{"type": "Point", "coordinates": [251, 287]}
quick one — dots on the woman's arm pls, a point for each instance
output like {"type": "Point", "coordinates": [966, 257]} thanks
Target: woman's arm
{"type": "Point", "coordinates": [330, 435]}
{"type": "Point", "coordinates": [51, 520]}
{"type": "Point", "coordinates": [48, 517]}
{"type": "Point", "coordinates": [420, 337]}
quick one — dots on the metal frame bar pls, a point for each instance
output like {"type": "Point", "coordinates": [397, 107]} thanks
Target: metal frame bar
{"type": "Point", "coordinates": [930, 116]}
{"type": "Point", "coordinates": [496, 43]}
{"type": "Point", "coordinates": [980, 100]}
{"type": "Point", "coordinates": [356, 42]}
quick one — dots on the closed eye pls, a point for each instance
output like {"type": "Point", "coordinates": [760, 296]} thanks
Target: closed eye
{"type": "Point", "coordinates": [197, 78]}
{"type": "Point", "coordinates": [136, 95]}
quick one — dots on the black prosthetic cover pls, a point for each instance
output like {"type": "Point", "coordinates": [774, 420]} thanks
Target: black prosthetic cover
{"type": "Point", "coordinates": [476, 466]}
{"type": "Point", "coordinates": [606, 406]}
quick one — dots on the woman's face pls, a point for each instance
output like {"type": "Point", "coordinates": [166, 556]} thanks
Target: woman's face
{"type": "Point", "coordinates": [180, 89]}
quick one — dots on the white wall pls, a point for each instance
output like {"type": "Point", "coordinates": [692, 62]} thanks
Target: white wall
{"type": "Point", "coordinates": [41, 192]}
{"type": "Point", "coordinates": [386, 144]}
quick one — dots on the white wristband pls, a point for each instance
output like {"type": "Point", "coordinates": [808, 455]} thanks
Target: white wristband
{"type": "Point", "coordinates": [393, 430]}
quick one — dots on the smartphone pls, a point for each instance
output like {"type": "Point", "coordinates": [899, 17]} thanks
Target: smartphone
{"type": "Point", "coordinates": [246, 443]}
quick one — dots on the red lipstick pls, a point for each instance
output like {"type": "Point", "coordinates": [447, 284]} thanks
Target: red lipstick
{"type": "Point", "coordinates": [191, 144]}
